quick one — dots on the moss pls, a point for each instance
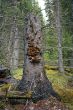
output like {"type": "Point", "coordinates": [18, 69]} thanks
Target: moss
{"type": "Point", "coordinates": [2, 105]}
{"type": "Point", "coordinates": [18, 73]}
{"type": "Point", "coordinates": [20, 94]}
{"type": "Point", "coordinates": [60, 85]}
{"type": "Point", "coordinates": [5, 87]}
{"type": "Point", "coordinates": [51, 67]}
{"type": "Point", "coordinates": [29, 94]}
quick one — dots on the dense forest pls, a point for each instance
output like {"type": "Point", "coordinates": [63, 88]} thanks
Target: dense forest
{"type": "Point", "coordinates": [36, 55]}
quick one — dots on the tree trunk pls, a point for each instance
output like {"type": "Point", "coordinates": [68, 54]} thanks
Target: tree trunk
{"type": "Point", "coordinates": [34, 79]}
{"type": "Point", "coordinates": [59, 34]}
{"type": "Point", "coordinates": [71, 62]}
{"type": "Point", "coordinates": [13, 47]}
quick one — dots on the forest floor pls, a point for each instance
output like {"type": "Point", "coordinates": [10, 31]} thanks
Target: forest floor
{"type": "Point", "coordinates": [62, 84]}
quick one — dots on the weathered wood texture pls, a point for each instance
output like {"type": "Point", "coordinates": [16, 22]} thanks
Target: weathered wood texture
{"type": "Point", "coordinates": [34, 79]}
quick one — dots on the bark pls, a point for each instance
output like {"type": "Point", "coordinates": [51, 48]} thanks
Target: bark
{"type": "Point", "coordinates": [59, 34]}
{"type": "Point", "coordinates": [71, 62]}
{"type": "Point", "coordinates": [13, 47]}
{"type": "Point", "coordinates": [34, 79]}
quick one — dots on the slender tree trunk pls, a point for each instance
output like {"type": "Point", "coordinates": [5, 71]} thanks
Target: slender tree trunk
{"type": "Point", "coordinates": [10, 46]}
{"type": "Point", "coordinates": [15, 55]}
{"type": "Point", "coordinates": [34, 79]}
{"type": "Point", "coordinates": [71, 62]}
{"type": "Point", "coordinates": [59, 34]}
{"type": "Point", "coordinates": [13, 47]}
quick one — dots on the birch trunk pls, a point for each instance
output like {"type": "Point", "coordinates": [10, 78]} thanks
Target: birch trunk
{"type": "Point", "coordinates": [59, 34]}
{"type": "Point", "coordinates": [34, 79]}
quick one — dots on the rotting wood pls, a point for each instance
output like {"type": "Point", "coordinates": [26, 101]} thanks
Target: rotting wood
{"type": "Point", "coordinates": [34, 79]}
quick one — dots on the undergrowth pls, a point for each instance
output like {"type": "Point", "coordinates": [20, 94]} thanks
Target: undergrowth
{"type": "Point", "coordinates": [59, 82]}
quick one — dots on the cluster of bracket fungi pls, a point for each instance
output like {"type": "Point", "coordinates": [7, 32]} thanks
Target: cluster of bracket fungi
{"type": "Point", "coordinates": [33, 48]}
{"type": "Point", "coordinates": [33, 53]}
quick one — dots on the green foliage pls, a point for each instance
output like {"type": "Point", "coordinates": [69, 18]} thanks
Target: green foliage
{"type": "Point", "coordinates": [8, 10]}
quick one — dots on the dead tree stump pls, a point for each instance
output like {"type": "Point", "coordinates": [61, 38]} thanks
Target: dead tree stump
{"type": "Point", "coordinates": [34, 79]}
